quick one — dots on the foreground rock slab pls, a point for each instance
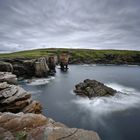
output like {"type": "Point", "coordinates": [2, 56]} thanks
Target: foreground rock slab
{"type": "Point", "coordinates": [92, 88]}
{"type": "Point", "coordinates": [38, 127]}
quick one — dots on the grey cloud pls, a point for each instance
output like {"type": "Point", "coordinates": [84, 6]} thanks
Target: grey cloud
{"type": "Point", "coordinates": [97, 24]}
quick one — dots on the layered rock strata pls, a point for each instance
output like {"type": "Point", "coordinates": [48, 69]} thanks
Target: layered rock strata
{"type": "Point", "coordinates": [14, 98]}
{"type": "Point", "coordinates": [93, 88]}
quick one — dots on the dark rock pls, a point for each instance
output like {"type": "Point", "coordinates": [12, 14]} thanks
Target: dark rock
{"type": "Point", "coordinates": [29, 67]}
{"type": "Point", "coordinates": [93, 88]}
{"type": "Point", "coordinates": [63, 60]}
{"type": "Point", "coordinates": [52, 60]}
{"type": "Point", "coordinates": [6, 67]}
{"type": "Point", "coordinates": [20, 70]}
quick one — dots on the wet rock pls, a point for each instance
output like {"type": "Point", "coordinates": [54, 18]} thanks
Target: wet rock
{"type": "Point", "coordinates": [93, 88]}
{"type": "Point", "coordinates": [6, 67]}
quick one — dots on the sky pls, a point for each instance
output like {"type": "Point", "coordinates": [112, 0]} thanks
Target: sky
{"type": "Point", "coordinates": [94, 24]}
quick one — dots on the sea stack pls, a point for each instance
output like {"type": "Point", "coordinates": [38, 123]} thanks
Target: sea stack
{"type": "Point", "coordinates": [92, 88]}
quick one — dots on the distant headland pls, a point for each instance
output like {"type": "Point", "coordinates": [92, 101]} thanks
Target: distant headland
{"type": "Point", "coordinates": [82, 56]}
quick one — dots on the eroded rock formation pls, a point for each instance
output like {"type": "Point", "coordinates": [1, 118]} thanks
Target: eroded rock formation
{"type": "Point", "coordinates": [41, 68]}
{"type": "Point", "coordinates": [93, 88]}
{"type": "Point", "coordinates": [64, 59]}
{"type": "Point", "coordinates": [22, 67]}
{"type": "Point", "coordinates": [15, 99]}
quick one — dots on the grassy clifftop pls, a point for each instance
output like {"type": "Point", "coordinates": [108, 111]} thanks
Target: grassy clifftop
{"type": "Point", "coordinates": [84, 55]}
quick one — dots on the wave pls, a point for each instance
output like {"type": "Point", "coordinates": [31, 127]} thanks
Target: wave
{"type": "Point", "coordinates": [39, 81]}
{"type": "Point", "coordinates": [127, 97]}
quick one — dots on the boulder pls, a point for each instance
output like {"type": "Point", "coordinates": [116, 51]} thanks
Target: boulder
{"type": "Point", "coordinates": [6, 67]}
{"type": "Point", "coordinates": [93, 88]}
{"type": "Point", "coordinates": [36, 126]}
{"type": "Point", "coordinates": [41, 68]}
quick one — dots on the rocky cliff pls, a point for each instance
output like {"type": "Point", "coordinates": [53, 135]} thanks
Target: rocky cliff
{"type": "Point", "coordinates": [19, 118]}
{"type": "Point", "coordinates": [23, 67]}
{"type": "Point", "coordinates": [15, 99]}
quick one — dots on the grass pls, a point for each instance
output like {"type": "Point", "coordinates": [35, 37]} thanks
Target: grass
{"type": "Point", "coordinates": [21, 135]}
{"type": "Point", "coordinates": [124, 55]}
{"type": "Point", "coordinates": [73, 52]}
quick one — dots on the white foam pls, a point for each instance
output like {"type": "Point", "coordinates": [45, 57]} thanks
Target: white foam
{"type": "Point", "coordinates": [40, 81]}
{"type": "Point", "coordinates": [125, 99]}
{"type": "Point", "coordinates": [89, 65]}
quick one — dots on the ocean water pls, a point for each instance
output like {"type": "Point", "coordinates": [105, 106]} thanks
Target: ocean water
{"type": "Point", "coordinates": [113, 118]}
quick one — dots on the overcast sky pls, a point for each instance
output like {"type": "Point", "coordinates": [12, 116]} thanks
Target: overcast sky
{"type": "Point", "coordinates": [96, 24]}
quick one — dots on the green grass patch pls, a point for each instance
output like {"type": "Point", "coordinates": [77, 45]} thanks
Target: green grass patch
{"type": "Point", "coordinates": [75, 53]}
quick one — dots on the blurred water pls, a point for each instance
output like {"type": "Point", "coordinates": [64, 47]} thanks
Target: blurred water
{"type": "Point", "coordinates": [114, 118]}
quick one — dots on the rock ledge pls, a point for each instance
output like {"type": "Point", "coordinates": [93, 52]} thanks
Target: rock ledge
{"type": "Point", "coordinates": [37, 127]}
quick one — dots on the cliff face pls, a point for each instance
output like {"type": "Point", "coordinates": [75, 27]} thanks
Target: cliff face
{"type": "Point", "coordinates": [23, 67]}
{"type": "Point", "coordinates": [105, 58]}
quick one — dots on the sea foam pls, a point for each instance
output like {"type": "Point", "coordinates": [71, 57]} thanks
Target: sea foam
{"type": "Point", "coordinates": [126, 98]}
{"type": "Point", "coordinates": [40, 81]}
